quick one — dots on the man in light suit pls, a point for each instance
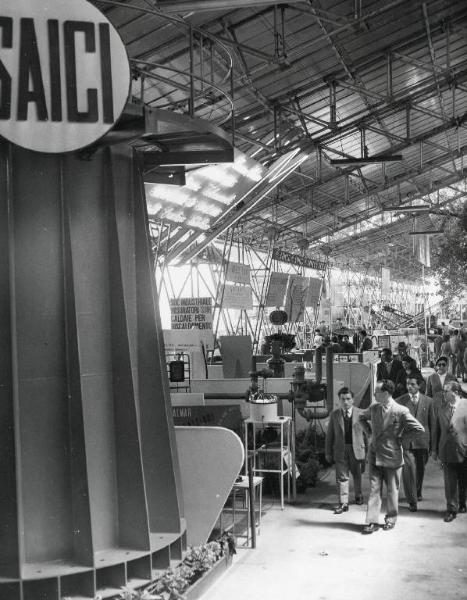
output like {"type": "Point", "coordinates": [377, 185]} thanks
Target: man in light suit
{"type": "Point", "coordinates": [417, 449]}
{"type": "Point", "coordinates": [346, 446]}
{"type": "Point", "coordinates": [450, 446]}
{"type": "Point", "coordinates": [436, 381]}
{"type": "Point", "coordinates": [390, 423]}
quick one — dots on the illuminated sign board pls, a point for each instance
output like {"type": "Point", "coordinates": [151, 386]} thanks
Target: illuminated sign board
{"type": "Point", "coordinates": [64, 74]}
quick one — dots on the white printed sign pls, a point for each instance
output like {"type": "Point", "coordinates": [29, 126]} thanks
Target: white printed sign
{"type": "Point", "coordinates": [64, 74]}
{"type": "Point", "coordinates": [237, 296]}
{"type": "Point", "coordinates": [192, 313]}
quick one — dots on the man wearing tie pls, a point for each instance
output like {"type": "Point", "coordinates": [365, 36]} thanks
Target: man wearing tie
{"type": "Point", "coordinates": [450, 446]}
{"type": "Point", "coordinates": [346, 446]}
{"type": "Point", "coordinates": [390, 423]}
{"type": "Point", "coordinates": [417, 449]}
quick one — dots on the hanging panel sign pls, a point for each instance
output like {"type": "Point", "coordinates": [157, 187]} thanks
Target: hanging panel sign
{"type": "Point", "coordinates": [276, 290]}
{"type": "Point", "coordinates": [295, 299]}
{"type": "Point", "coordinates": [64, 74]}
{"type": "Point", "coordinates": [314, 291]}
{"type": "Point", "coordinates": [299, 261]}
{"type": "Point", "coordinates": [237, 296]}
{"type": "Point", "coordinates": [238, 273]}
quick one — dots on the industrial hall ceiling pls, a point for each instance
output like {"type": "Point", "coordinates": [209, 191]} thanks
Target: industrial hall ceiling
{"type": "Point", "coordinates": [366, 99]}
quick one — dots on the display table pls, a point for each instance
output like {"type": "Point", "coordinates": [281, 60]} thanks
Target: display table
{"type": "Point", "coordinates": [282, 455]}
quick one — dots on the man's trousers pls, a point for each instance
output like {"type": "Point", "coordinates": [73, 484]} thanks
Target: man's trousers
{"type": "Point", "coordinates": [413, 473]}
{"type": "Point", "coordinates": [343, 469]}
{"type": "Point", "coordinates": [455, 484]}
{"type": "Point", "coordinates": [378, 476]}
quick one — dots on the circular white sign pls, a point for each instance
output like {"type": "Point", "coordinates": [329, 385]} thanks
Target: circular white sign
{"type": "Point", "coordinates": [64, 74]}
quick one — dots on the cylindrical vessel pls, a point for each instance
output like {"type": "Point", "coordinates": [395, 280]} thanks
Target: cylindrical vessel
{"type": "Point", "coordinates": [264, 408]}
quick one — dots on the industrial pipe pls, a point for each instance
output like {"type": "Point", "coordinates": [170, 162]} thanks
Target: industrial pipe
{"type": "Point", "coordinates": [329, 378]}
{"type": "Point", "coordinates": [318, 364]}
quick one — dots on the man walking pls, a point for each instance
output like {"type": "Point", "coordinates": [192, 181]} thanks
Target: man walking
{"type": "Point", "coordinates": [436, 381]}
{"type": "Point", "coordinates": [346, 446]}
{"type": "Point", "coordinates": [450, 446]}
{"type": "Point", "coordinates": [390, 423]}
{"type": "Point", "coordinates": [417, 449]}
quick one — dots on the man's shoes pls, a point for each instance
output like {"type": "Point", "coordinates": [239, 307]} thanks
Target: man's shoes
{"type": "Point", "coordinates": [389, 525]}
{"type": "Point", "coordinates": [359, 500]}
{"type": "Point", "coordinates": [413, 507]}
{"type": "Point", "coordinates": [419, 498]}
{"type": "Point", "coordinates": [449, 516]}
{"type": "Point", "coordinates": [341, 509]}
{"type": "Point", "coordinates": [370, 528]}
{"type": "Point", "coordinates": [462, 508]}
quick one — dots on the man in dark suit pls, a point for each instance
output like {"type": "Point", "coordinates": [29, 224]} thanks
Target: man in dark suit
{"type": "Point", "coordinates": [450, 446]}
{"type": "Point", "coordinates": [346, 446]}
{"type": "Point", "coordinates": [347, 345]}
{"type": "Point", "coordinates": [417, 449]}
{"type": "Point", "coordinates": [388, 368]}
{"type": "Point", "coordinates": [365, 341]}
{"type": "Point", "coordinates": [436, 381]}
{"type": "Point", "coordinates": [390, 423]}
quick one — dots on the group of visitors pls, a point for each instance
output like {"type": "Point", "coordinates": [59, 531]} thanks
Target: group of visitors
{"type": "Point", "coordinates": [396, 435]}
{"type": "Point", "coordinates": [341, 344]}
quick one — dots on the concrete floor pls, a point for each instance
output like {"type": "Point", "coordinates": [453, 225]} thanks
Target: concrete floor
{"type": "Point", "coordinates": [305, 552]}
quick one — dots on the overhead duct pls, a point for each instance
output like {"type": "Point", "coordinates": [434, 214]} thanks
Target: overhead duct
{"type": "Point", "coordinates": [177, 6]}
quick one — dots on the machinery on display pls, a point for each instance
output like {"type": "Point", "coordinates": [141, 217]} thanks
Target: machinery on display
{"type": "Point", "coordinates": [394, 318]}
{"type": "Point", "coordinates": [313, 399]}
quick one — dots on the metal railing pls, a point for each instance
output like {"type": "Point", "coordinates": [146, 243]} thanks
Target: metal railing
{"type": "Point", "coordinates": [192, 91]}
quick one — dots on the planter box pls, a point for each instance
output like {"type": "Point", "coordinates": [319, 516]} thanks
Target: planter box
{"type": "Point", "coordinates": [196, 590]}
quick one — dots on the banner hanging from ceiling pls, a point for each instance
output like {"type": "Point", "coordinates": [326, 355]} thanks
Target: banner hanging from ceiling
{"type": "Point", "coordinates": [295, 298]}
{"type": "Point", "coordinates": [238, 273]}
{"type": "Point", "coordinates": [276, 290]}
{"type": "Point", "coordinates": [237, 296]}
{"type": "Point", "coordinates": [314, 292]}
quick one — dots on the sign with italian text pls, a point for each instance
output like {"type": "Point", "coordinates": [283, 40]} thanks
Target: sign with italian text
{"type": "Point", "coordinates": [191, 313]}
{"type": "Point", "coordinates": [64, 74]}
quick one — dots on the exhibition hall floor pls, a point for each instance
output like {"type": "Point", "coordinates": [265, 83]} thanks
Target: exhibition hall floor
{"type": "Point", "coordinates": [305, 552]}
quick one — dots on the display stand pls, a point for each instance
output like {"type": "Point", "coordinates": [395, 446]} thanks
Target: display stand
{"type": "Point", "coordinates": [283, 453]}
{"type": "Point", "coordinates": [240, 506]}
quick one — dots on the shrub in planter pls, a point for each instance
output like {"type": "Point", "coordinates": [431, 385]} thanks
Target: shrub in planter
{"type": "Point", "coordinates": [175, 581]}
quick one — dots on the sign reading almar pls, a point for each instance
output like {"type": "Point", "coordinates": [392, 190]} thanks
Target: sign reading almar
{"type": "Point", "coordinates": [64, 74]}
{"type": "Point", "coordinates": [299, 261]}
